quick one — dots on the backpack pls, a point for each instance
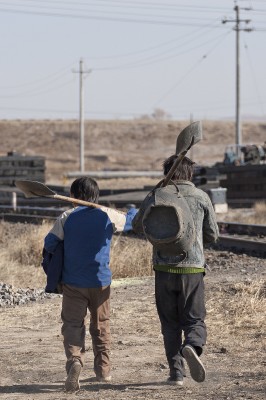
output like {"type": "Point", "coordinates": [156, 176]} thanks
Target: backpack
{"type": "Point", "coordinates": [167, 221]}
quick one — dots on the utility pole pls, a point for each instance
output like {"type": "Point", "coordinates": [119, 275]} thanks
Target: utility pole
{"type": "Point", "coordinates": [237, 28]}
{"type": "Point", "coordinates": [81, 73]}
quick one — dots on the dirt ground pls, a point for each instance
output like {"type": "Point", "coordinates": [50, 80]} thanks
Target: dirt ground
{"type": "Point", "coordinates": [32, 358]}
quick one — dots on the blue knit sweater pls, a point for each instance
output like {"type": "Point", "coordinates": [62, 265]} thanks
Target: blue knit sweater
{"type": "Point", "coordinates": [87, 233]}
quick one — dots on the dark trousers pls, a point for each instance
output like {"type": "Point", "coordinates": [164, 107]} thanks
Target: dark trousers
{"type": "Point", "coordinates": [181, 309]}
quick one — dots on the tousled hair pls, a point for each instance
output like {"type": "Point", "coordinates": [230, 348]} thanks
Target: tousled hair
{"type": "Point", "coordinates": [183, 172]}
{"type": "Point", "coordinates": [85, 188]}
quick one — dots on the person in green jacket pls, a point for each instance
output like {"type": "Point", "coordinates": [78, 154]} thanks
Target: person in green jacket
{"type": "Point", "coordinates": [179, 286]}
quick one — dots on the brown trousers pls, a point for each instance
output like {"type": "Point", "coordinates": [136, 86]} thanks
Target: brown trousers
{"type": "Point", "coordinates": [76, 302]}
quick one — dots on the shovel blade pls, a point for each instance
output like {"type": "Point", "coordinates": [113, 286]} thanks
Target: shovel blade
{"type": "Point", "coordinates": [188, 137]}
{"type": "Point", "coordinates": [34, 189]}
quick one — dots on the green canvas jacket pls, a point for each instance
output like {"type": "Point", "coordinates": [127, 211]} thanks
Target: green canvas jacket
{"type": "Point", "coordinates": [205, 226]}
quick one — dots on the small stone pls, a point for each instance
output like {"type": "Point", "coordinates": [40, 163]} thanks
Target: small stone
{"type": "Point", "coordinates": [223, 350]}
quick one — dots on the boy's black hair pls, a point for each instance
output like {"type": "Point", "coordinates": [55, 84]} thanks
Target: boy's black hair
{"type": "Point", "coordinates": [85, 188]}
{"type": "Point", "coordinates": [183, 172]}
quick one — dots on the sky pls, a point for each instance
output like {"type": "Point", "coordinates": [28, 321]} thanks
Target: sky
{"type": "Point", "coordinates": [138, 56]}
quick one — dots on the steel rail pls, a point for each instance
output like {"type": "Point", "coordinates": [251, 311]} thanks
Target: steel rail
{"type": "Point", "coordinates": [245, 245]}
{"type": "Point", "coordinates": [241, 229]}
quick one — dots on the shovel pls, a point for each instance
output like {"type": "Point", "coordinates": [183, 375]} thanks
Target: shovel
{"type": "Point", "coordinates": [38, 189]}
{"type": "Point", "coordinates": [189, 136]}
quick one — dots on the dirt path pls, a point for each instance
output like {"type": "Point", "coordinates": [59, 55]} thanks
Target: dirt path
{"type": "Point", "coordinates": [32, 358]}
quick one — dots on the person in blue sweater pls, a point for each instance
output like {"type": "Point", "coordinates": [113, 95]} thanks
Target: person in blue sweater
{"type": "Point", "coordinates": [86, 234]}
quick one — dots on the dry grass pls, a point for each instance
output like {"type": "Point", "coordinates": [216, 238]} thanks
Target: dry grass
{"type": "Point", "coordinates": [130, 257]}
{"type": "Point", "coordinates": [248, 307]}
{"type": "Point", "coordinates": [21, 248]}
{"type": "Point", "coordinates": [237, 311]}
{"type": "Point", "coordinates": [260, 213]}
{"type": "Point", "coordinates": [21, 255]}
{"type": "Point", "coordinates": [255, 215]}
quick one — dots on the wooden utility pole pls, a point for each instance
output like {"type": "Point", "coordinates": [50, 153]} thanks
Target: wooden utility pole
{"type": "Point", "coordinates": [237, 28]}
{"type": "Point", "coordinates": [238, 123]}
{"type": "Point", "coordinates": [81, 73]}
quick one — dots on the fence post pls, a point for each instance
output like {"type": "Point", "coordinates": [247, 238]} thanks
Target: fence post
{"type": "Point", "coordinates": [14, 201]}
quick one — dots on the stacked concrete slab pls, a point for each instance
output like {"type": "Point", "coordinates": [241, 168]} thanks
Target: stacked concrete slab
{"type": "Point", "coordinates": [16, 166]}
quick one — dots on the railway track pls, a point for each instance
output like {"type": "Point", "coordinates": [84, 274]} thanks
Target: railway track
{"type": "Point", "coordinates": [244, 238]}
{"type": "Point", "coordinates": [245, 245]}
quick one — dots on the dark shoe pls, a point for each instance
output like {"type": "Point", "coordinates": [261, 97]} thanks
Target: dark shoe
{"type": "Point", "coordinates": [176, 379]}
{"type": "Point", "coordinates": [197, 370]}
{"type": "Point", "coordinates": [72, 381]}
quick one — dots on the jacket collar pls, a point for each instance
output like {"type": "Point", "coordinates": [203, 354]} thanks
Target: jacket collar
{"type": "Point", "coordinates": [182, 182]}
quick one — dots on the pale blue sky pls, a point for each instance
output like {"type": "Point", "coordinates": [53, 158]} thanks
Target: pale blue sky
{"type": "Point", "coordinates": [170, 54]}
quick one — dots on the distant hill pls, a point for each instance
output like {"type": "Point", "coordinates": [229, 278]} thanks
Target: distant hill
{"type": "Point", "coordinates": [134, 144]}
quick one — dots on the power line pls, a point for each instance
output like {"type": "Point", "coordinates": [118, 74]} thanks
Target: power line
{"type": "Point", "coordinates": [41, 7]}
{"type": "Point", "coordinates": [198, 32]}
{"type": "Point", "coordinates": [154, 59]}
{"type": "Point", "coordinates": [144, 62]}
{"type": "Point", "coordinates": [134, 4]}
{"type": "Point", "coordinates": [46, 81]}
{"type": "Point", "coordinates": [117, 13]}
{"type": "Point", "coordinates": [188, 72]}
{"type": "Point", "coordinates": [101, 18]}
{"type": "Point", "coordinates": [33, 93]}
{"type": "Point", "coordinates": [163, 44]}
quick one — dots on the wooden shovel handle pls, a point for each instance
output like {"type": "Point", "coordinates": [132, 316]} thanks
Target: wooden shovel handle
{"type": "Point", "coordinates": [76, 201]}
{"type": "Point", "coordinates": [84, 203]}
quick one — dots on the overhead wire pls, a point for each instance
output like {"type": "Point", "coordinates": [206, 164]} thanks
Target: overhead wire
{"type": "Point", "coordinates": [49, 78]}
{"type": "Point", "coordinates": [197, 32]}
{"type": "Point", "coordinates": [133, 4]}
{"type": "Point", "coordinates": [54, 77]}
{"type": "Point", "coordinates": [146, 49]}
{"type": "Point", "coordinates": [102, 18]}
{"type": "Point", "coordinates": [58, 75]}
{"type": "Point", "coordinates": [102, 12]}
{"type": "Point", "coordinates": [154, 59]}
{"type": "Point", "coordinates": [189, 71]}
{"type": "Point", "coordinates": [34, 93]}
{"type": "Point", "coordinates": [162, 19]}
{"type": "Point", "coordinates": [41, 7]}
